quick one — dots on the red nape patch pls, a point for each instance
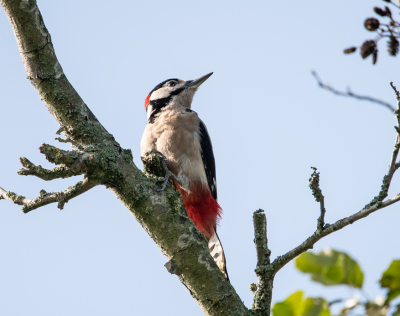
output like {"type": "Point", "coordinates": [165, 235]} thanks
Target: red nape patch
{"type": "Point", "coordinates": [146, 101]}
{"type": "Point", "coordinates": [201, 207]}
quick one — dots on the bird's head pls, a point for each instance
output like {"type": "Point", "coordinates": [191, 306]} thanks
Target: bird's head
{"type": "Point", "coordinates": [173, 90]}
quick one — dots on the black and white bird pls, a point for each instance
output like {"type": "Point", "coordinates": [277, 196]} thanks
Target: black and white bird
{"type": "Point", "coordinates": [177, 132]}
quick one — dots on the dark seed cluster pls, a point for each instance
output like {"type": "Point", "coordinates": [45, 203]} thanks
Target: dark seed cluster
{"type": "Point", "coordinates": [371, 24]}
{"type": "Point", "coordinates": [367, 48]}
{"type": "Point", "coordinates": [393, 46]}
{"type": "Point", "coordinates": [350, 50]}
{"type": "Point", "coordinates": [389, 29]}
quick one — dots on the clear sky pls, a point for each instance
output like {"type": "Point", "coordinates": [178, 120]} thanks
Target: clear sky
{"type": "Point", "coordinates": [269, 123]}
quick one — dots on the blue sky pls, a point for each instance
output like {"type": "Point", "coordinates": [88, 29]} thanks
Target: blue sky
{"type": "Point", "coordinates": [269, 123]}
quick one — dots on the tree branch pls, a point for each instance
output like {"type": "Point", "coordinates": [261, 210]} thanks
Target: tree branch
{"type": "Point", "coordinates": [351, 94]}
{"type": "Point", "coordinates": [161, 214]}
{"type": "Point", "coordinates": [45, 198]}
{"type": "Point", "coordinates": [46, 75]}
{"type": "Point", "coordinates": [281, 261]}
{"type": "Point", "coordinates": [45, 174]}
{"type": "Point", "coordinates": [266, 271]}
{"type": "Point", "coordinates": [314, 186]}
{"type": "Point", "coordinates": [377, 203]}
{"type": "Point", "coordinates": [263, 290]}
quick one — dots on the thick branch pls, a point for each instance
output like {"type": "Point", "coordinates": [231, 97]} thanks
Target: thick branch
{"type": "Point", "coordinates": [351, 94]}
{"type": "Point", "coordinates": [162, 214]}
{"type": "Point", "coordinates": [46, 75]}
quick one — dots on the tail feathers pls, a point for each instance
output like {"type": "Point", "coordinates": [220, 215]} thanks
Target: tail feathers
{"type": "Point", "coordinates": [217, 252]}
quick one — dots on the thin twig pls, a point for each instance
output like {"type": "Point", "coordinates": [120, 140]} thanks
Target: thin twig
{"type": "Point", "coordinates": [69, 140]}
{"type": "Point", "coordinates": [351, 94]}
{"type": "Point", "coordinates": [59, 156]}
{"type": "Point", "coordinates": [45, 174]}
{"type": "Point", "coordinates": [280, 261]}
{"type": "Point", "coordinates": [314, 186]}
{"type": "Point", "coordinates": [387, 179]}
{"type": "Point", "coordinates": [13, 197]}
{"type": "Point", "coordinates": [45, 198]}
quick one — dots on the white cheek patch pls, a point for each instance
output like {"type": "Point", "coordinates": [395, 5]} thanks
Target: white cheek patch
{"type": "Point", "coordinates": [149, 109]}
{"type": "Point", "coordinates": [160, 93]}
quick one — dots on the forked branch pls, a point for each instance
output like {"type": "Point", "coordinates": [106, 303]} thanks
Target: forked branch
{"type": "Point", "coordinates": [377, 203]}
{"type": "Point", "coordinates": [269, 270]}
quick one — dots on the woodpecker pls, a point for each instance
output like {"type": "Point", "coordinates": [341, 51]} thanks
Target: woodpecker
{"type": "Point", "coordinates": [177, 132]}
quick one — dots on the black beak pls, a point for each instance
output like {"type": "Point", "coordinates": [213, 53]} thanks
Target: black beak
{"type": "Point", "coordinates": [197, 82]}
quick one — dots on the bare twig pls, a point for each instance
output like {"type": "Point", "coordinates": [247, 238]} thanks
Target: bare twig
{"type": "Point", "coordinates": [45, 198]}
{"type": "Point", "coordinates": [72, 163]}
{"type": "Point", "coordinates": [69, 140]}
{"type": "Point", "coordinates": [281, 261]}
{"type": "Point", "coordinates": [266, 271]}
{"type": "Point", "coordinates": [263, 290]}
{"type": "Point", "coordinates": [387, 179]}
{"type": "Point", "coordinates": [45, 174]}
{"type": "Point", "coordinates": [314, 186]}
{"type": "Point", "coordinates": [13, 197]}
{"type": "Point", "coordinates": [350, 94]}
{"type": "Point", "coordinates": [376, 204]}
{"type": "Point", "coordinates": [59, 156]}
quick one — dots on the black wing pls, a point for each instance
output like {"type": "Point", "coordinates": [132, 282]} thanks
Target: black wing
{"type": "Point", "coordinates": [208, 159]}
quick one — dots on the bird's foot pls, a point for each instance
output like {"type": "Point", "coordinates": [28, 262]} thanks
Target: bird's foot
{"type": "Point", "coordinates": [168, 173]}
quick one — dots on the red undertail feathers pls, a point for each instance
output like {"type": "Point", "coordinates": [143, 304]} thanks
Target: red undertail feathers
{"type": "Point", "coordinates": [201, 207]}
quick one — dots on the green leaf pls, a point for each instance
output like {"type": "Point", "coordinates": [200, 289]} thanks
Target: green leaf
{"type": "Point", "coordinates": [295, 301]}
{"type": "Point", "coordinates": [331, 267]}
{"type": "Point", "coordinates": [314, 307]}
{"type": "Point", "coordinates": [391, 280]}
{"type": "Point", "coordinates": [295, 305]}
{"type": "Point", "coordinates": [282, 309]}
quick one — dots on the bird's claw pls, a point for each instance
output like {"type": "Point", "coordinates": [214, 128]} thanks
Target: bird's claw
{"type": "Point", "coordinates": [168, 173]}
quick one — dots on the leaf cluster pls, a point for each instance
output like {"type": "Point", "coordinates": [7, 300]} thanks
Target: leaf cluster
{"type": "Point", "coordinates": [331, 267]}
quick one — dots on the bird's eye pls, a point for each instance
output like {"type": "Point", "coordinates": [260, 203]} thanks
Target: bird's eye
{"type": "Point", "coordinates": [171, 84]}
